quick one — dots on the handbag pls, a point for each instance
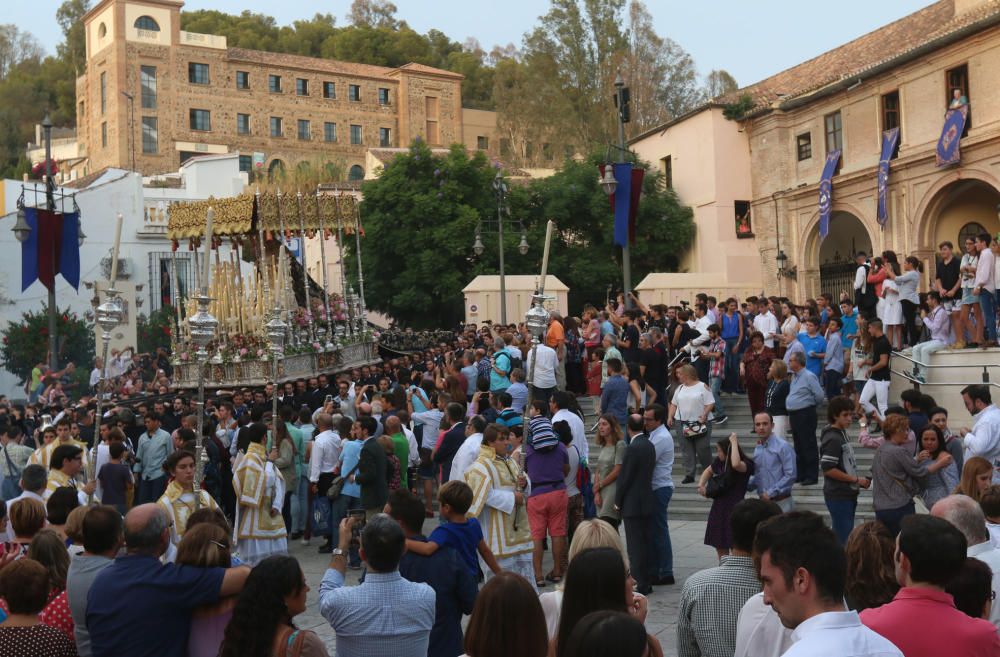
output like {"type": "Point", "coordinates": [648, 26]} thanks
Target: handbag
{"type": "Point", "coordinates": [718, 483]}
{"type": "Point", "coordinates": [337, 485]}
{"type": "Point", "coordinates": [693, 429]}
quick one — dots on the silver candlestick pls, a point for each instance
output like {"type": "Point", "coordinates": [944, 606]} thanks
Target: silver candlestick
{"type": "Point", "coordinates": [202, 326]}
{"type": "Point", "coordinates": [109, 317]}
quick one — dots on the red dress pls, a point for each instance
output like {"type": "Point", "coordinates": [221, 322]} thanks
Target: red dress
{"type": "Point", "coordinates": [56, 614]}
{"type": "Point", "coordinates": [756, 367]}
{"type": "Point", "coordinates": [594, 378]}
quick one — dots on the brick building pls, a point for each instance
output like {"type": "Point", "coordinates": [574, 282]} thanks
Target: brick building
{"type": "Point", "coordinates": [158, 94]}
{"type": "Point", "coordinates": [901, 75]}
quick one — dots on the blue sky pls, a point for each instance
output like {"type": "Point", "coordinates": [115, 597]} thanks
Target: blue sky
{"type": "Point", "coordinates": [750, 40]}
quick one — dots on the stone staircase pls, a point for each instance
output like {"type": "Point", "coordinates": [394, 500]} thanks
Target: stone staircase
{"type": "Point", "coordinates": [687, 504]}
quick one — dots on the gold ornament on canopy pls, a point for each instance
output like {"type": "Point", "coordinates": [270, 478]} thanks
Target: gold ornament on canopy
{"type": "Point", "coordinates": [234, 216]}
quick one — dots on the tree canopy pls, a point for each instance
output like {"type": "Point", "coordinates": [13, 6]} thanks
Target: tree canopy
{"type": "Point", "coordinates": [420, 216]}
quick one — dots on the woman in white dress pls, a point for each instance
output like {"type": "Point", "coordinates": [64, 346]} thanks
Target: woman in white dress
{"type": "Point", "coordinates": [789, 318]}
{"type": "Point", "coordinates": [892, 313]}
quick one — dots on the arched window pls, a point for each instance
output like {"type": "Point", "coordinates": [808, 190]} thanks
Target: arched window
{"type": "Point", "coordinates": [102, 31]}
{"type": "Point", "coordinates": [969, 231]}
{"type": "Point", "coordinates": [276, 170]}
{"type": "Point", "coordinates": [356, 173]}
{"type": "Point", "coordinates": [147, 23]}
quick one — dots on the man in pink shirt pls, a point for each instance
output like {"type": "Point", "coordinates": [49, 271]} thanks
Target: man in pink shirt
{"type": "Point", "coordinates": [922, 620]}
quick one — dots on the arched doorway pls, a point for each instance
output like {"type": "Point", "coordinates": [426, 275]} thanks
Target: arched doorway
{"type": "Point", "coordinates": [963, 207]}
{"type": "Point", "coordinates": [356, 173]}
{"type": "Point", "coordinates": [276, 170]}
{"type": "Point", "coordinates": [835, 254]}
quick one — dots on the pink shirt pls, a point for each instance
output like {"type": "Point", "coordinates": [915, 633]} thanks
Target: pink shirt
{"type": "Point", "coordinates": [923, 622]}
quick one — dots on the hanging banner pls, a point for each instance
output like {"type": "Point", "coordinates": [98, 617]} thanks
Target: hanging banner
{"type": "Point", "coordinates": [51, 248]}
{"type": "Point", "coordinates": [948, 151]}
{"type": "Point", "coordinates": [826, 192]}
{"type": "Point", "coordinates": [890, 138]}
{"type": "Point", "coordinates": [625, 200]}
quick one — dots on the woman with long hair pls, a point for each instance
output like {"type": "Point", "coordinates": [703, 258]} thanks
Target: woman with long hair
{"type": "Point", "coordinates": [789, 319]}
{"type": "Point", "coordinates": [972, 312]}
{"type": "Point", "coordinates": [977, 476]}
{"type": "Point", "coordinates": [178, 499]}
{"type": "Point", "coordinates": [609, 465]}
{"type": "Point", "coordinates": [284, 443]}
{"type": "Point", "coordinates": [776, 395]}
{"type": "Point", "coordinates": [931, 444]}
{"type": "Point", "coordinates": [262, 623]}
{"type": "Point", "coordinates": [597, 580]}
{"type": "Point", "coordinates": [207, 545]}
{"type": "Point", "coordinates": [753, 370]}
{"type": "Point", "coordinates": [574, 357]}
{"type": "Point", "coordinates": [871, 575]}
{"type": "Point", "coordinates": [506, 621]}
{"type": "Point", "coordinates": [735, 468]}
{"type": "Point", "coordinates": [906, 284]}
{"type": "Point", "coordinates": [861, 356]}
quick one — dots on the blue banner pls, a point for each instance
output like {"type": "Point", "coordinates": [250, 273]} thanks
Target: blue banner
{"type": "Point", "coordinates": [69, 250]}
{"type": "Point", "coordinates": [29, 250]}
{"type": "Point", "coordinates": [623, 199]}
{"type": "Point", "coordinates": [951, 134]}
{"type": "Point", "coordinates": [890, 138]}
{"type": "Point", "coordinates": [826, 192]}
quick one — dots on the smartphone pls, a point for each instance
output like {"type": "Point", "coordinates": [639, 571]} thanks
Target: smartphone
{"type": "Point", "coordinates": [329, 398]}
{"type": "Point", "coordinates": [358, 516]}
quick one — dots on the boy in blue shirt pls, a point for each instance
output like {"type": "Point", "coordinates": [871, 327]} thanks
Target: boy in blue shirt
{"type": "Point", "coordinates": [462, 534]}
{"type": "Point", "coordinates": [815, 347]}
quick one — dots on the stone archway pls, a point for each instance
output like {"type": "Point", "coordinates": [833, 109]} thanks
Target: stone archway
{"type": "Point", "coordinates": [960, 199]}
{"type": "Point", "coordinates": [828, 264]}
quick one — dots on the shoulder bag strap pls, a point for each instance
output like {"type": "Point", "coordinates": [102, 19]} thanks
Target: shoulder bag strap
{"type": "Point", "coordinates": [14, 472]}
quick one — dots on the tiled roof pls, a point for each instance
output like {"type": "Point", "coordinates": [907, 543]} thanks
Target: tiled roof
{"type": "Point", "coordinates": [855, 58]}
{"type": "Point", "coordinates": [420, 68]}
{"type": "Point", "coordinates": [308, 63]}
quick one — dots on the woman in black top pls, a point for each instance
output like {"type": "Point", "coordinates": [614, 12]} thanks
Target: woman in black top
{"type": "Point", "coordinates": [777, 392]}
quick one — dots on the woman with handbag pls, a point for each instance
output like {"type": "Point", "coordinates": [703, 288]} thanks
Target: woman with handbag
{"type": "Point", "coordinates": [725, 482]}
{"type": "Point", "coordinates": [691, 414]}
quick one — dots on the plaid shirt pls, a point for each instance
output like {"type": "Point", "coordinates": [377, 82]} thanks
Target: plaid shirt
{"type": "Point", "coordinates": [717, 366]}
{"type": "Point", "coordinates": [710, 606]}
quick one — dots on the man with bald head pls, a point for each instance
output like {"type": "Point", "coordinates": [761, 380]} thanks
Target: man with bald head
{"type": "Point", "coordinates": [967, 516]}
{"type": "Point", "coordinates": [138, 606]}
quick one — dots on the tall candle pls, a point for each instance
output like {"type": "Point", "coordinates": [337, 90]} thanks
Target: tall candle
{"type": "Point", "coordinates": [208, 248]}
{"type": "Point", "coordinates": [114, 252]}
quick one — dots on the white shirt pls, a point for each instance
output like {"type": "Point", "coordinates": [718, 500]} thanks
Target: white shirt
{"type": "Point", "coordinates": [574, 467]}
{"type": "Point", "coordinates": [767, 324]}
{"type": "Point", "coordinates": [577, 427]}
{"type": "Point", "coordinates": [701, 325]}
{"type": "Point", "coordinates": [984, 439]}
{"type": "Point", "coordinates": [431, 421]}
{"type": "Point", "coordinates": [95, 376]}
{"type": "Point", "coordinates": [990, 556]}
{"type": "Point", "coordinates": [663, 445]}
{"type": "Point", "coordinates": [325, 454]}
{"type": "Point", "coordinates": [759, 632]}
{"type": "Point", "coordinates": [414, 455]}
{"type": "Point", "coordinates": [545, 370]}
{"type": "Point", "coordinates": [994, 533]}
{"type": "Point", "coordinates": [839, 634]}
{"type": "Point", "coordinates": [861, 278]}
{"type": "Point", "coordinates": [691, 402]}
{"type": "Point", "coordinates": [466, 455]}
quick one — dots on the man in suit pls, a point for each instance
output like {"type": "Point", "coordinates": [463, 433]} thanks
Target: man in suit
{"type": "Point", "coordinates": [452, 440]}
{"type": "Point", "coordinates": [372, 465]}
{"type": "Point", "coordinates": [636, 505]}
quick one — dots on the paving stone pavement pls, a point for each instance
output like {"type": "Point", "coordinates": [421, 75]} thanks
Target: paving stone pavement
{"type": "Point", "coordinates": [690, 555]}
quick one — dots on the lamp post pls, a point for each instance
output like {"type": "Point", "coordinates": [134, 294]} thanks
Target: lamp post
{"type": "Point", "coordinates": [276, 333]}
{"type": "Point", "coordinates": [609, 183]}
{"type": "Point", "coordinates": [50, 202]}
{"type": "Point", "coordinates": [501, 189]}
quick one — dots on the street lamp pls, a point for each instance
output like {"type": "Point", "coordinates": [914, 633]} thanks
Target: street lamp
{"type": "Point", "coordinates": [607, 181]}
{"type": "Point", "coordinates": [501, 190]}
{"type": "Point", "coordinates": [21, 228]}
{"type": "Point", "coordinates": [783, 269]}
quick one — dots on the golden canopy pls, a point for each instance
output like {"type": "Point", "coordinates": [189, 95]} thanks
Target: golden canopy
{"type": "Point", "coordinates": [234, 216]}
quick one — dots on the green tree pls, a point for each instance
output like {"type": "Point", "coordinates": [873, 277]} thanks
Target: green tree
{"type": "Point", "coordinates": [73, 49]}
{"type": "Point", "coordinates": [154, 331]}
{"type": "Point", "coordinates": [720, 83]}
{"type": "Point", "coordinates": [419, 216]}
{"type": "Point", "coordinates": [25, 343]}
{"type": "Point", "coordinates": [374, 13]}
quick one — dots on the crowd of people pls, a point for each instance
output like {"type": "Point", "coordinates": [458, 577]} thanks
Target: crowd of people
{"type": "Point", "coordinates": [128, 533]}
